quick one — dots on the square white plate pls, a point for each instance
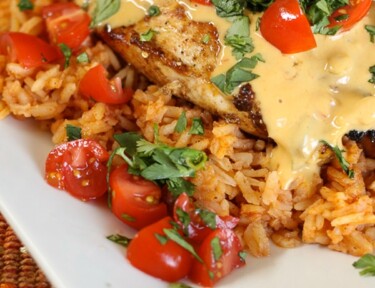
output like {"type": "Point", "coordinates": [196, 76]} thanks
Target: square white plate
{"type": "Point", "coordinates": [67, 237]}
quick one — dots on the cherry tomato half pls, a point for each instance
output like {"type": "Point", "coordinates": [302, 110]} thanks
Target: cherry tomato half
{"type": "Point", "coordinates": [196, 229]}
{"type": "Point", "coordinates": [350, 14]}
{"type": "Point", "coordinates": [28, 50]}
{"type": "Point", "coordinates": [135, 201]}
{"type": "Point", "coordinates": [78, 167]}
{"type": "Point", "coordinates": [66, 23]}
{"type": "Point", "coordinates": [96, 85]}
{"type": "Point", "coordinates": [220, 254]}
{"type": "Point", "coordinates": [286, 27]}
{"type": "Point", "coordinates": [203, 2]}
{"type": "Point", "coordinates": [167, 261]}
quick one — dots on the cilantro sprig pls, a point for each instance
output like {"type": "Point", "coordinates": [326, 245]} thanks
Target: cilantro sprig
{"type": "Point", "coordinates": [343, 162]}
{"type": "Point", "coordinates": [371, 30]}
{"type": "Point", "coordinates": [119, 239]}
{"type": "Point", "coordinates": [25, 5]}
{"type": "Point", "coordinates": [372, 71]}
{"type": "Point", "coordinates": [159, 162]}
{"type": "Point", "coordinates": [229, 8]}
{"type": "Point", "coordinates": [367, 265]}
{"type": "Point", "coordinates": [73, 132]}
{"type": "Point", "coordinates": [103, 10]}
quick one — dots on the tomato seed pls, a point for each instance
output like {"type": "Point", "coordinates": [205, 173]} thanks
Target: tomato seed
{"type": "Point", "coordinates": [85, 183]}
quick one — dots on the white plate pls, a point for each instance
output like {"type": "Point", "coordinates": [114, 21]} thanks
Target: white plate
{"type": "Point", "coordinates": [67, 237]}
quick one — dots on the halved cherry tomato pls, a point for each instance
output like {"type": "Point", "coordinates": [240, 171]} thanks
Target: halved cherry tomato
{"type": "Point", "coordinates": [355, 11]}
{"type": "Point", "coordinates": [135, 201]}
{"type": "Point", "coordinates": [286, 27]}
{"type": "Point", "coordinates": [66, 23]}
{"type": "Point", "coordinates": [167, 261]}
{"type": "Point", "coordinates": [78, 167]}
{"type": "Point", "coordinates": [203, 2]}
{"type": "Point", "coordinates": [28, 50]}
{"type": "Point", "coordinates": [220, 254]}
{"type": "Point", "coordinates": [196, 229]}
{"type": "Point", "coordinates": [96, 85]}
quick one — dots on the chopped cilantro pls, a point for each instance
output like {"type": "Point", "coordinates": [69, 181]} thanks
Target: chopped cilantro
{"type": "Point", "coordinates": [371, 30]}
{"type": "Point", "coordinates": [181, 123]}
{"type": "Point", "coordinates": [238, 37]}
{"type": "Point", "coordinates": [83, 58]}
{"type": "Point", "coordinates": [103, 10]}
{"type": "Point", "coordinates": [185, 220]}
{"type": "Point", "coordinates": [229, 8]}
{"type": "Point", "coordinates": [208, 217]}
{"type": "Point", "coordinates": [206, 38]}
{"type": "Point", "coordinates": [258, 5]}
{"type": "Point", "coordinates": [197, 127]}
{"type": "Point", "coordinates": [178, 285]}
{"type": "Point", "coordinates": [127, 217]}
{"type": "Point", "coordinates": [367, 264]}
{"type": "Point", "coordinates": [25, 5]}
{"type": "Point", "coordinates": [162, 239]}
{"type": "Point", "coordinates": [119, 239]}
{"type": "Point", "coordinates": [175, 237]}
{"type": "Point", "coordinates": [343, 163]}
{"type": "Point", "coordinates": [153, 10]}
{"type": "Point", "coordinates": [67, 52]}
{"type": "Point", "coordinates": [238, 74]}
{"type": "Point", "coordinates": [372, 71]}
{"type": "Point", "coordinates": [242, 255]}
{"type": "Point", "coordinates": [217, 251]}
{"type": "Point", "coordinates": [147, 36]}
{"type": "Point", "coordinates": [73, 132]}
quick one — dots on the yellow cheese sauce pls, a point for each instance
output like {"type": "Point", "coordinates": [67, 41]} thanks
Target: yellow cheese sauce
{"type": "Point", "coordinates": [306, 97]}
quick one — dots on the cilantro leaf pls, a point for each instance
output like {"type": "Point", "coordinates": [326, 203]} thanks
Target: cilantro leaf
{"type": "Point", "coordinates": [185, 220]}
{"type": "Point", "coordinates": [258, 5]}
{"type": "Point", "coordinates": [238, 74]}
{"type": "Point", "coordinates": [162, 239]}
{"type": "Point", "coordinates": [238, 37]}
{"type": "Point", "coordinates": [175, 237]}
{"type": "Point", "coordinates": [197, 127]}
{"type": "Point", "coordinates": [147, 36]}
{"type": "Point", "coordinates": [178, 186]}
{"type": "Point", "coordinates": [119, 239]}
{"type": "Point", "coordinates": [372, 71]}
{"type": "Point", "coordinates": [179, 285]}
{"type": "Point", "coordinates": [181, 123]}
{"type": "Point", "coordinates": [229, 8]}
{"type": "Point", "coordinates": [103, 10]}
{"type": "Point", "coordinates": [208, 217]}
{"type": "Point", "coordinates": [217, 251]}
{"type": "Point", "coordinates": [83, 58]}
{"type": "Point", "coordinates": [25, 5]}
{"type": "Point", "coordinates": [127, 217]}
{"type": "Point", "coordinates": [128, 140]}
{"type": "Point", "coordinates": [242, 255]}
{"type": "Point", "coordinates": [206, 38]}
{"type": "Point", "coordinates": [371, 30]}
{"type": "Point", "coordinates": [153, 10]}
{"type": "Point", "coordinates": [338, 153]}
{"type": "Point", "coordinates": [67, 52]}
{"type": "Point", "coordinates": [367, 264]}
{"type": "Point", "coordinates": [73, 132]}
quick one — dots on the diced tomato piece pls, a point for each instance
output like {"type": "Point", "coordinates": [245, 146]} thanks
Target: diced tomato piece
{"type": "Point", "coordinates": [28, 50]}
{"type": "Point", "coordinates": [202, 2]}
{"type": "Point", "coordinates": [96, 85]}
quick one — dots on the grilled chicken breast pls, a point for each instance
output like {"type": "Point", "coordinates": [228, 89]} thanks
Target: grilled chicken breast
{"type": "Point", "coordinates": [177, 55]}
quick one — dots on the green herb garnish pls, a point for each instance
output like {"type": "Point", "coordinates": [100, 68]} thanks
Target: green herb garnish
{"type": "Point", "coordinates": [147, 36]}
{"type": "Point", "coordinates": [206, 38]}
{"type": "Point", "coordinates": [162, 239]}
{"type": "Point", "coordinates": [216, 248]}
{"type": "Point", "coordinates": [229, 8]}
{"type": "Point", "coordinates": [103, 10]}
{"type": "Point", "coordinates": [179, 285]}
{"type": "Point", "coordinates": [371, 30]}
{"type": "Point", "coordinates": [83, 58]}
{"type": "Point", "coordinates": [153, 10]}
{"type": "Point", "coordinates": [208, 217]}
{"type": "Point", "coordinates": [25, 5]}
{"type": "Point", "coordinates": [238, 37]}
{"type": "Point", "coordinates": [181, 123]}
{"type": "Point", "coordinates": [343, 163]}
{"type": "Point", "coordinates": [197, 127]}
{"type": "Point", "coordinates": [185, 220]}
{"type": "Point", "coordinates": [238, 74]}
{"type": "Point", "coordinates": [372, 71]}
{"type": "Point", "coordinates": [127, 217]}
{"type": "Point", "coordinates": [67, 52]}
{"type": "Point", "coordinates": [73, 132]}
{"type": "Point", "coordinates": [175, 237]}
{"type": "Point", "coordinates": [159, 162]}
{"type": "Point", "coordinates": [258, 5]}
{"type": "Point", "coordinates": [242, 255]}
{"type": "Point", "coordinates": [367, 264]}
{"type": "Point", "coordinates": [119, 239]}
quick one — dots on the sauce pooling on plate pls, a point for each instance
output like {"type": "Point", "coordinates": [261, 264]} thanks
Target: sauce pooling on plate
{"type": "Point", "coordinates": [306, 97]}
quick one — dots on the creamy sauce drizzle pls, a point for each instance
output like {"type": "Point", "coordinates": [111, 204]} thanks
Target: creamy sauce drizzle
{"type": "Point", "coordinates": [316, 95]}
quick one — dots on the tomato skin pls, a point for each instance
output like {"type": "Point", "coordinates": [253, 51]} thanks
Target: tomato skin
{"type": "Point", "coordinates": [356, 10]}
{"type": "Point", "coordinates": [169, 262]}
{"type": "Point", "coordinates": [286, 27]}
{"type": "Point", "coordinates": [96, 85]}
{"type": "Point", "coordinates": [229, 260]}
{"type": "Point", "coordinates": [78, 167]}
{"type": "Point", "coordinates": [135, 197]}
{"type": "Point", "coordinates": [28, 50]}
{"type": "Point", "coordinates": [66, 23]}
{"type": "Point", "coordinates": [197, 230]}
{"type": "Point", "coordinates": [202, 2]}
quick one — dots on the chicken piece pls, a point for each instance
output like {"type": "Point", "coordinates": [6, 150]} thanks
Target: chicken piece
{"type": "Point", "coordinates": [177, 55]}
